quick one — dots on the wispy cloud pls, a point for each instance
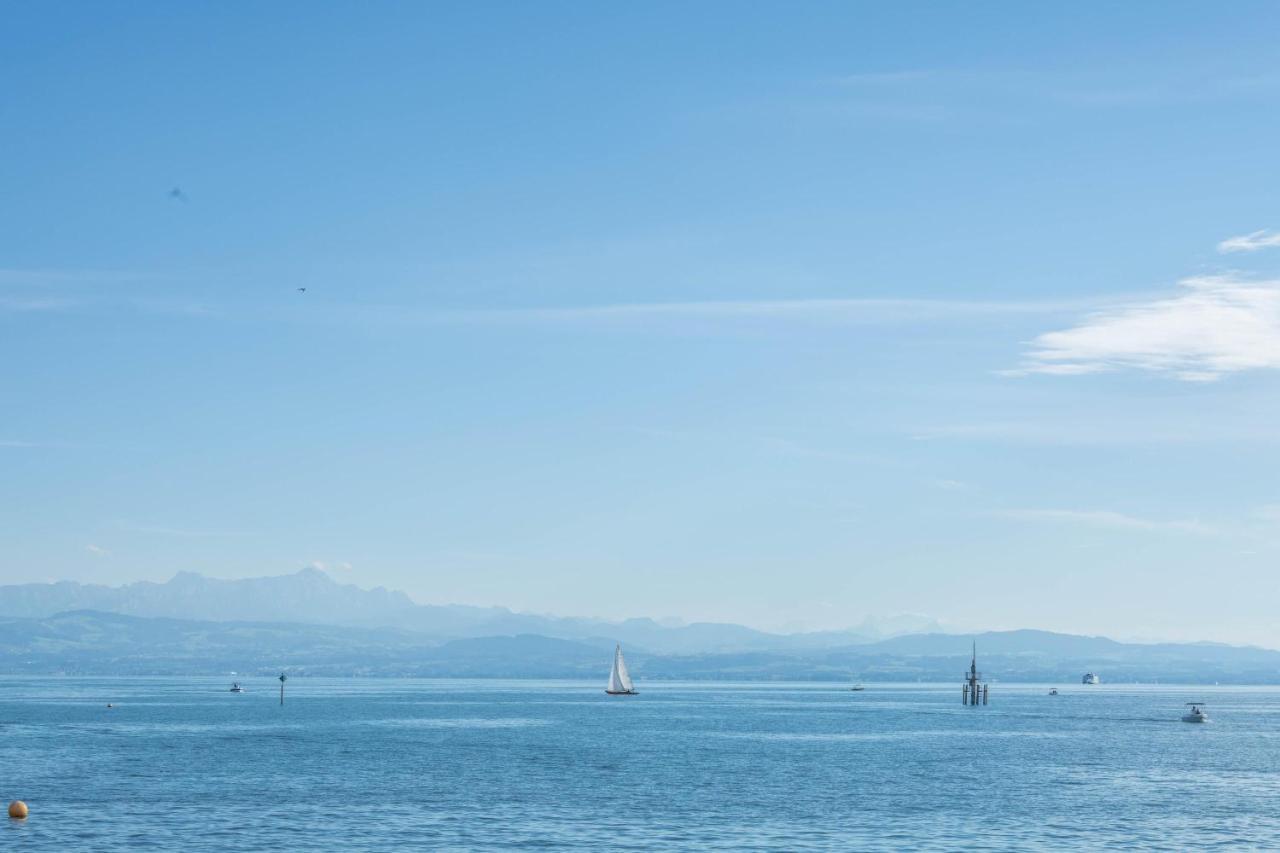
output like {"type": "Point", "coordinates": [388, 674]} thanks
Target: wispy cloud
{"type": "Point", "coordinates": [1106, 519]}
{"type": "Point", "coordinates": [180, 532]}
{"type": "Point", "coordinates": [747, 439]}
{"type": "Point", "coordinates": [19, 304]}
{"type": "Point", "coordinates": [848, 309]}
{"type": "Point", "coordinates": [951, 485]}
{"type": "Point", "coordinates": [1263, 239]}
{"type": "Point", "coordinates": [790, 447]}
{"type": "Point", "coordinates": [1085, 428]}
{"type": "Point", "coordinates": [76, 289]}
{"type": "Point", "coordinates": [39, 277]}
{"type": "Point", "coordinates": [1268, 512]}
{"type": "Point", "coordinates": [853, 311]}
{"type": "Point", "coordinates": [908, 75]}
{"type": "Point", "coordinates": [968, 90]}
{"type": "Point", "coordinates": [174, 307]}
{"type": "Point", "coordinates": [97, 550]}
{"type": "Point", "coordinates": [1217, 325]}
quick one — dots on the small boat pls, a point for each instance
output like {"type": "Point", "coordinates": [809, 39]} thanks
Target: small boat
{"type": "Point", "coordinates": [1053, 691]}
{"type": "Point", "coordinates": [619, 679]}
{"type": "Point", "coordinates": [1196, 714]}
{"type": "Point", "coordinates": [236, 688]}
{"type": "Point", "coordinates": [1090, 678]}
{"type": "Point", "coordinates": [857, 688]}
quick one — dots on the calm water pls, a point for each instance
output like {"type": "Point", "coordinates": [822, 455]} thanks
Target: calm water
{"type": "Point", "coordinates": [181, 763]}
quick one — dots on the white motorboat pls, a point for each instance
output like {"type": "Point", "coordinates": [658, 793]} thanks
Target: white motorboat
{"type": "Point", "coordinates": [1196, 714]}
{"type": "Point", "coordinates": [1090, 678]}
{"type": "Point", "coordinates": [619, 679]}
{"type": "Point", "coordinates": [236, 688]}
{"type": "Point", "coordinates": [1053, 691]}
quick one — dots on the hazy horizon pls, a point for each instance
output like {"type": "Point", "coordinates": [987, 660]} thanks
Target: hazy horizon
{"type": "Point", "coordinates": [709, 313]}
{"type": "Point", "coordinates": [868, 625]}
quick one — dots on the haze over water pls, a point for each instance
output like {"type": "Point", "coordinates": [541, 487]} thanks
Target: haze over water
{"type": "Point", "coordinates": [374, 764]}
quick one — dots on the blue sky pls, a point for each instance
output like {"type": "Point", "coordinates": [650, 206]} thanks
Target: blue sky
{"type": "Point", "coordinates": [786, 315]}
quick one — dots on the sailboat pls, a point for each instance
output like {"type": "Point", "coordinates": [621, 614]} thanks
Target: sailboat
{"type": "Point", "coordinates": [619, 679]}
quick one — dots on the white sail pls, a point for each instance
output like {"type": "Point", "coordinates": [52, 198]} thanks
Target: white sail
{"type": "Point", "coordinates": [619, 678]}
{"type": "Point", "coordinates": [623, 676]}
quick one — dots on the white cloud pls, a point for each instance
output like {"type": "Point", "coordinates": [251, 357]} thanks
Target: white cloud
{"type": "Point", "coordinates": [97, 550]}
{"type": "Point", "coordinates": [329, 568]}
{"type": "Point", "coordinates": [160, 530]}
{"type": "Point", "coordinates": [1250, 242]}
{"type": "Point", "coordinates": [1106, 519]}
{"type": "Point", "coordinates": [17, 304]}
{"type": "Point", "coordinates": [951, 485]}
{"type": "Point", "coordinates": [1217, 325]}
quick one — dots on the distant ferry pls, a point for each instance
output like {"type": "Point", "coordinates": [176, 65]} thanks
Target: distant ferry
{"type": "Point", "coordinates": [1090, 678]}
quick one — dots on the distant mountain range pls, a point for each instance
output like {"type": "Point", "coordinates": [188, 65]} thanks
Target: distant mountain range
{"type": "Point", "coordinates": [312, 597]}
{"type": "Point", "coordinates": [94, 643]}
{"type": "Point", "coordinates": [309, 624]}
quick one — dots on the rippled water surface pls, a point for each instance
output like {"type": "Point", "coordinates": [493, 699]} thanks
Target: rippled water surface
{"type": "Point", "coordinates": [376, 765]}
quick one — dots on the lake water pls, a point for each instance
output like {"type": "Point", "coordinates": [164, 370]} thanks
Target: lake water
{"type": "Point", "coordinates": [381, 764]}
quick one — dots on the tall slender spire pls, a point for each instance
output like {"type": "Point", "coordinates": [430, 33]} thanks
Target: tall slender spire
{"type": "Point", "coordinates": [974, 692]}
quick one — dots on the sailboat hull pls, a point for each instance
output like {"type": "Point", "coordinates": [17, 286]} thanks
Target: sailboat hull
{"type": "Point", "coordinates": [622, 692]}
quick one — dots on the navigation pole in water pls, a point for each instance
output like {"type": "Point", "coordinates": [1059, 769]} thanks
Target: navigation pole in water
{"type": "Point", "coordinates": [974, 692]}
{"type": "Point", "coordinates": [283, 679]}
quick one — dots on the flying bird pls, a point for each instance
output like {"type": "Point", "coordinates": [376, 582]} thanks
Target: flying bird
{"type": "Point", "coordinates": [302, 290]}
{"type": "Point", "coordinates": [177, 194]}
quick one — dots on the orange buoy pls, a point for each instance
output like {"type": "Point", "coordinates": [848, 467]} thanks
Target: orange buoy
{"type": "Point", "coordinates": [18, 810]}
